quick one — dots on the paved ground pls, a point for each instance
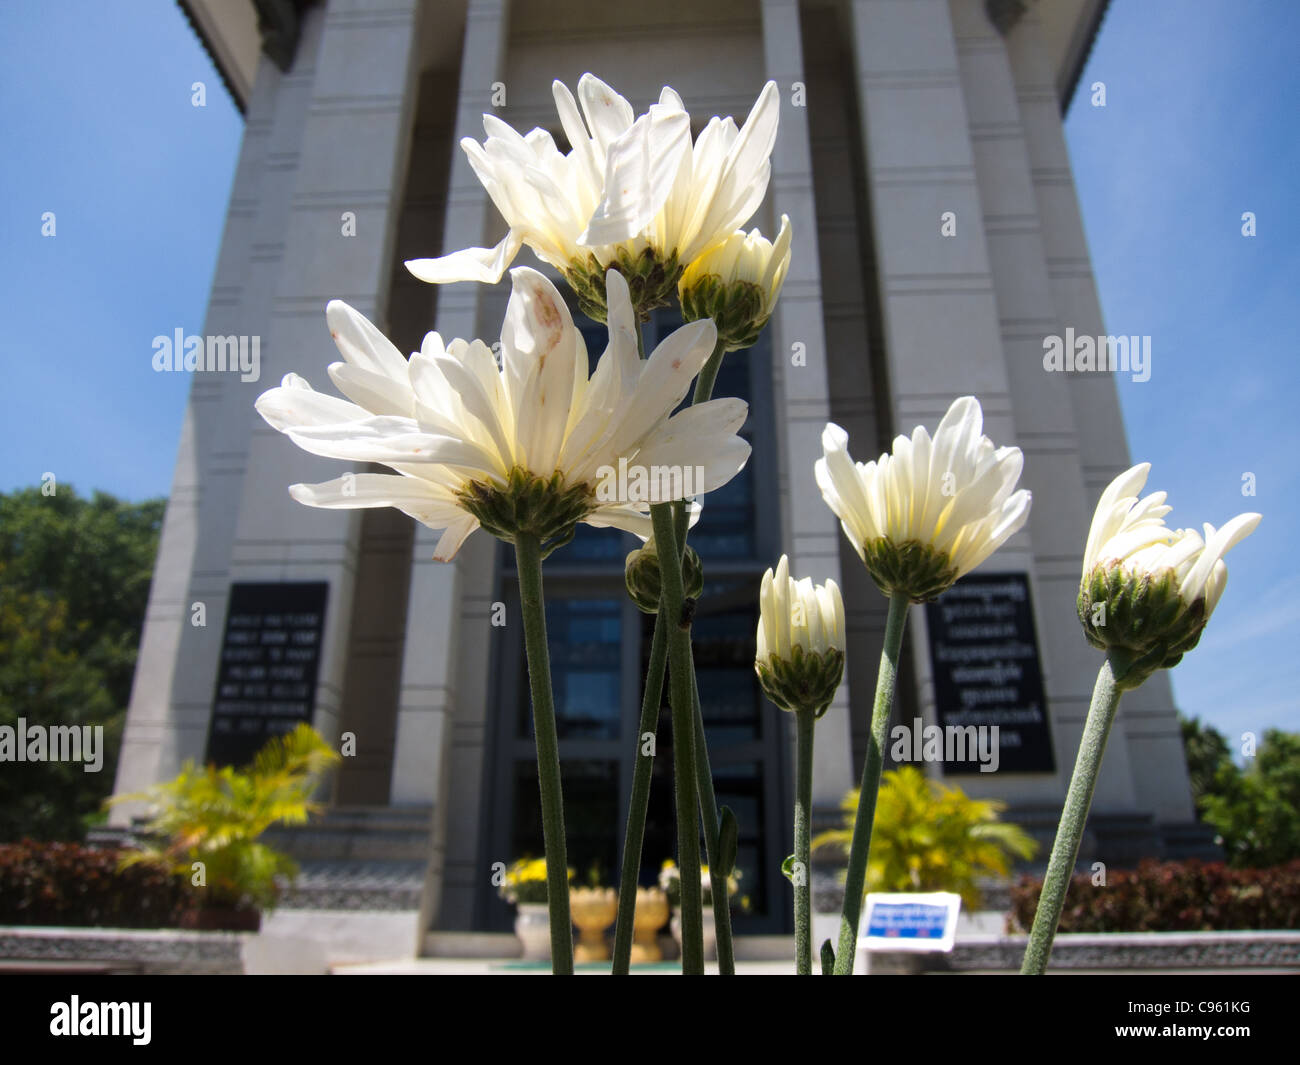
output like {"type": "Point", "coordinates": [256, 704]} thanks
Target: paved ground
{"type": "Point", "coordinates": [486, 967]}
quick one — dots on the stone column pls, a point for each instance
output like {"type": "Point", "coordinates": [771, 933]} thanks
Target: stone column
{"type": "Point", "coordinates": [1148, 721]}
{"type": "Point", "coordinates": [943, 328]}
{"type": "Point", "coordinates": [1045, 416]}
{"type": "Point", "coordinates": [450, 603]}
{"type": "Point", "coordinates": [801, 395]}
{"type": "Point", "coordinates": [350, 162]}
{"type": "Point", "coordinates": [175, 678]}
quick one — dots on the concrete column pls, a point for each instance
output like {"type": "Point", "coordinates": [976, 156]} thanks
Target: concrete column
{"type": "Point", "coordinates": [1148, 720]}
{"type": "Point", "coordinates": [448, 615]}
{"type": "Point", "coordinates": [175, 678]}
{"type": "Point", "coordinates": [944, 336]}
{"type": "Point", "coordinates": [351, 158]}
{"type": "Point", "coordinates": [1045, 416]}
{"type": "Point", "coordinates": [801, 393]}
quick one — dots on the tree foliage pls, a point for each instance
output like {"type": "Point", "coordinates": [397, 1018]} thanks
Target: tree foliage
{"type": "Point", "coordinates": [74, 583]}
{"type": "Point", "coordinates": [1254, 809]}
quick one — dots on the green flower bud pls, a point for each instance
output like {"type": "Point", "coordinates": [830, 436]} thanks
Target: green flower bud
{"type": "Point", "coordinates": [641, 573]}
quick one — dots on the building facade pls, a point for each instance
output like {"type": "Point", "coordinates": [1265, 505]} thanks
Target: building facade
{"type": "Point", "coordinates": [938, 243]}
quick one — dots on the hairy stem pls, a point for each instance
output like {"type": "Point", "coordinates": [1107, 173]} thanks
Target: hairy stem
{"type": "Point", "coordinates": [861, 845]}
{"type": "Point", "coordinates": [1078, 800]}
{"type": "Point", "coordinates": [528, 556]}
{"type": "Point", "coordinates": [805, 720]}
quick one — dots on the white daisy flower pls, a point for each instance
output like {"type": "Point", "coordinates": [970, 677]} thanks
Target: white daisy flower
{"type": "Point", "coordinates": [736, 283]}
{"type": "Point", "coordinates": [931, 511]}
{"type": "Point", "coordinates": [632, 192]}
{"type": "Point", "coordinates": [516, 447]}
{"type": "Point", "coordinates": [1147, 590]}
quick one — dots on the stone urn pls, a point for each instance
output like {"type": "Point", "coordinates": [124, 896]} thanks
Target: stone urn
{"type": "Point", "coordinates": [593, 910]}
{"type": "Point", "coordinates": [710, 932]}
{"type": "Point", "coordinates": [651, 915]}
{"type": "Point", "coordinates": [533, 929]}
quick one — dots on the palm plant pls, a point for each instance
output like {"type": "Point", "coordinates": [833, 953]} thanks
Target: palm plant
{"type": "Point", "coordinates": [207, 821]}
{"type": "Point", "coordinates": [928, 836]}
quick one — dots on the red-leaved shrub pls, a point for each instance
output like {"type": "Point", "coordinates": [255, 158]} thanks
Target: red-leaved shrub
{"type": "Point", "coordinates": [1189, 896]}
{"type": "Point", "coordinates": [80, 886]}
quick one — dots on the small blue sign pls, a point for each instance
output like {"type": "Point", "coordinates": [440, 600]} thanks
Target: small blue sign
{"type": "Point", "coordinates": [911, 921]}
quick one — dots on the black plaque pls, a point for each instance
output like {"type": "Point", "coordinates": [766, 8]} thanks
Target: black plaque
{"type": "Point", "coordinates": [984, 658]}
{"type": "Point", "coordinates": [270, 652]}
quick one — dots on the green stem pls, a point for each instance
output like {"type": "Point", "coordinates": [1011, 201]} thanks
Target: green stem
{"type": "Point", "coordinates": [719, 885]}
{"type": "Point", "coordinates": [1101, 715]}
{"type": "Point", "coordinates": [804, 720]}
{"type": "Point", "coordinates": [856, 880]}
{"type": "Point", "coordinates": [634, 837]}
{"type": "Point", "coordinates": [528, 556]}
{"type": "Point", "coordinates": [681, 671]}
{"type": "Point", "coordinates": [709, 375]}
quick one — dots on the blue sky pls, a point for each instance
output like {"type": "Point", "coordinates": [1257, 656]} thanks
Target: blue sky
{"type": "Point", "coordinates": [98, 128]}
{"type": "Point", "coordinates": [1199, 126]}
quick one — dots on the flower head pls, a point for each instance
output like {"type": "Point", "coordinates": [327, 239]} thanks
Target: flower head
{"type": "Point", "coordinates": [1147, 591]}
{"type": "Point", "coordinates": [931, 511]}
{"type": "Point", "coordinates": [736, 283]}
{"type": "Point", "coordinates": [515, 448]}
{"type": "Point", "coordinates": [632, 192]}
{"type": "Point", "coordinates": [800, 658]}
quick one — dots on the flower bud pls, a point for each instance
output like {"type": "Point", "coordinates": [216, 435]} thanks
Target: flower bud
{"type": "Point", "coordinates": [736, 283]}
{"type": "Point", "coordinates": [641, 574]}
{"type": "Point", "coordinates": [800, 658]}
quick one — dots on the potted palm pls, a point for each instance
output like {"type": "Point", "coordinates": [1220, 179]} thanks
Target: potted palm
{"type": "Point", "coordinates": [205, 824]}
{"type": "Point", "coordinates": [927, 836]}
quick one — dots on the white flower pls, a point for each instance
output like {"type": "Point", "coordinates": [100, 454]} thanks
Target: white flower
{"type": "Point", "coordinates": [798, 614]}
{"type": "Point", "coordinates": [626, 184]}
{"type": "Point", "coordinates": [736, 283]}
{"type": "Point", "coordinates": [800, 657]}
{"type": "Point", "coordinates": [931, 511]}
{"type": "Point", "coordinates": [747, 257]}
{"type": "Point", "coordinates": [469, 439]}
{"type": "Point", "coordinates": [1130, 533]}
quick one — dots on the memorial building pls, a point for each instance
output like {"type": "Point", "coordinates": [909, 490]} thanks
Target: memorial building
{"type": "Point", "coordinates": [938, 252]}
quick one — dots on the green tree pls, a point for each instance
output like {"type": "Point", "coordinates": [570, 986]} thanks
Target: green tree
{"type": "Point", "coordinates": [1207, 752]}
{"type": "Point", "coordinates": [74, 583]}
{"type": "Point", "coordinates": [1254, 810]}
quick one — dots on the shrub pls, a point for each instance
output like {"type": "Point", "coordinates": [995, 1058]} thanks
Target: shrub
{"type": "Point", "coordinates": [1189, 896]}
{"type": "Point", "coordinates": [928, 836]}
{"type": "Point", "coordinates": [214, 817]}
{"type": "Point", "coordinates": [80, 886]}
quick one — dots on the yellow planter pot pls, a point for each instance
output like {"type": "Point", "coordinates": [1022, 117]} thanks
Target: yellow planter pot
{"type": "Point", "coordinates": [593, 911]}
{"type": "Point", "coordinates": [650, 916]}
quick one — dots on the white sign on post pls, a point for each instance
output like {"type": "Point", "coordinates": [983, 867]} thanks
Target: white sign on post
{"type": "Point", "coordinates": [918, 921]}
